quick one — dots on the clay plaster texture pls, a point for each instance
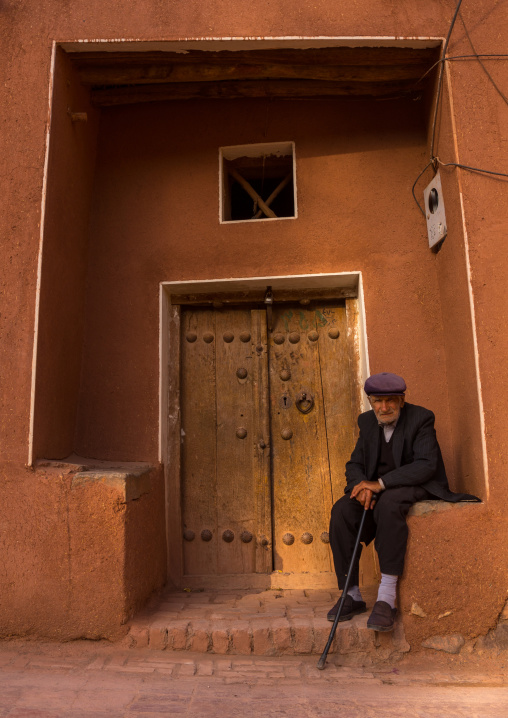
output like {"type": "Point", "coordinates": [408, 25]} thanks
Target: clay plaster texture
{"type": "Point", "coordinates": [132, 200]}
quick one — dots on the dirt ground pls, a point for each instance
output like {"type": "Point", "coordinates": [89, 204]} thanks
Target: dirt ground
{"type": "Point", "coordinates": [99, 679]}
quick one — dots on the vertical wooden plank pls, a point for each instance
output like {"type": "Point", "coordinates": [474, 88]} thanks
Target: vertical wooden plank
{"type": "Point", "coordinates": [337, 376]}
{"type": "Point", "coordinates": [172, 459]}
{"type": "Point", "coordinates": [236, 442]}
{"type": "Point", "coordinates": [199, 489]}
{"type": "Point", "coordinates": [369, 564]}
{"type": "Point", "coordinates": [301, 479]}
{"type": "Point", "coordinates": [261, 454]}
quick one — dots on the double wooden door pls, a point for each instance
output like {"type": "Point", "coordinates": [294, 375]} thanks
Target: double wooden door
{"type": "Point", "coordinates": [268, 422]}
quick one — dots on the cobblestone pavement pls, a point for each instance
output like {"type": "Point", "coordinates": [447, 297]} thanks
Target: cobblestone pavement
{"type": "Point", "coordinates": [84, 678]}
{"type": "Point", "coordinates": [256, 622]}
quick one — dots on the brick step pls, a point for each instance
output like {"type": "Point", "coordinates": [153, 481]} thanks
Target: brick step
{"type": "Point", "coordinates": [266, 623]}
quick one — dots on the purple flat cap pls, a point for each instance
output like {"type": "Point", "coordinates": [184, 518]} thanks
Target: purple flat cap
{"type": "Point", "coordinates": [385, 384]}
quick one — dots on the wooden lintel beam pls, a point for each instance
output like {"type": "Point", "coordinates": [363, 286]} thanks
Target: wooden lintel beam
{"type": "Point", "coordinates": [257, 296]}
{"type": "Point", "coordinates": [285, 89]}
{"type": "Point", "coordinates": [112, 74]}
{"type": "Point", "coordinates": [338, 56]}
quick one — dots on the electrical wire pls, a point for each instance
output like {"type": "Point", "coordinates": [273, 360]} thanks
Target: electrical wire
{"type": "Point", "coordinates": [498, 90]}
{"type": "Point", "coordinates": [434, 161]}
{"type": "Point", "coordinates": [414, 185]}
{"type": "Point", "coordinates": [440, 79]}
{"type": "Point", "coordinates": [458, 57]}
{"type": "Point", "coordinates": [468, 167]}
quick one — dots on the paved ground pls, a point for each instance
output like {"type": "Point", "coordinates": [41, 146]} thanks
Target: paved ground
{"type": "Point", "coordinates": [256, 622]}
{"type": "Point", "coordinates": [84, 678]}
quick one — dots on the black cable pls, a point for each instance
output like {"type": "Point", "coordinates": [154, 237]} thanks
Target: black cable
{"type": "Point", "coordinates": [414, 185]}
{"type": "Point", "coordinates": [440, 79]}
{"type": "Point", "coordinates": [468, 167]}
{"type": "Point", "coordinates": [459, 57]}
{"type": "Point", "coordinates": [433, 159]}
{"type": "Point", "coordinates": [499, 91]}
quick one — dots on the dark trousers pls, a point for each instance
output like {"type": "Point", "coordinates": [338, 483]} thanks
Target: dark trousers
{"type": "Point", "coordinates": [385, 523]}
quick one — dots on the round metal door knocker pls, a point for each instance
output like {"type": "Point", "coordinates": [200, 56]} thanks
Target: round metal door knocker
{"type": "Point", "coordinates": [304, 401]}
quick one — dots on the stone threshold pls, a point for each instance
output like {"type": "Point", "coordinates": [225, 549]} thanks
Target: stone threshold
{"type": "Point", "coordinates": [261, 623]}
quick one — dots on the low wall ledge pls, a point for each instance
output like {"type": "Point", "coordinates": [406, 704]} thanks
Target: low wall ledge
{"type": "Point", "coordinates": [131, 484]}
{"type": "Point", "coordinates": [432, 506]}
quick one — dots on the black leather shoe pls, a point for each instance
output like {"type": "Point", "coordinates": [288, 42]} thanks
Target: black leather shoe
{"type": "Point", "coordinates": [349, 609]}
{"type": "Point", "coordinates": [382, 617]}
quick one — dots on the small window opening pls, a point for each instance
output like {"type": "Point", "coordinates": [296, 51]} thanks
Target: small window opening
{"type": "Point", "coordinates": [257, 182]}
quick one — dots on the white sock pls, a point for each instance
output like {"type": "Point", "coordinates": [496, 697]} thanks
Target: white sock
{"type": "Point", "coordinates": [388, 589]}
{"type": "Point", "coordinates": [354, 592]}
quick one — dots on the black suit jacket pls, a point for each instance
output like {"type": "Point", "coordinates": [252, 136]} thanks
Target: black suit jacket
{"type": "Point", "coordinates": [416, 453]}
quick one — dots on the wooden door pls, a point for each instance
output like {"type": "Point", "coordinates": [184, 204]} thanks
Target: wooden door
{"type": "Point", "coordinates": [313, 418]}
{"type": "Point", "coordinates": [226, 498]}
{"type": "Point", "coordinates": [268, 423]}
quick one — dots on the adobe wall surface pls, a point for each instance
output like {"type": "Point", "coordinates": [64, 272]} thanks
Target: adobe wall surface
{"type": "Point", "coordinates": [35, 576]}
{"type": "Point", "coordinates": [155, 218]}
{"type": "Point", "coordinates": [66, 572]}
{"type": "Point", "coordinates": [62, 298]}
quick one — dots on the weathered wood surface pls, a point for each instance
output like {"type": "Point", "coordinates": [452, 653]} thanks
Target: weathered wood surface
{"type": "Point", "coordinates": [199, 454]}
{"type": "Point", "coordinates": [124, 78]}
{"type": "Point", "coordinates": [301, 473]}
{"type": "Point", "coordinates": [261, 440]}
{"type": "Point", "coordinates": [354, 57]}
{"type": "Point", "coordinates": [208, 72]}
{"type": "Point", "coordinates": [280, 295]}
{"type": "Point", "coordinates": [233, 89]}
{"type": "Point", "coordinates": [263, 483]}
{"type": "Point", "coordinates": [226, 478]}
{"type": "Point", "coordinates": [339, 403]}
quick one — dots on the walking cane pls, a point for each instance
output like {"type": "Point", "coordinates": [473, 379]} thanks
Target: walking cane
{"type": "Point", "coordinates": [322, 661]}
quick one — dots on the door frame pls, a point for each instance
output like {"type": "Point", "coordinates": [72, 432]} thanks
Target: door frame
{"type": "Point", "coordinates": [339, 285]}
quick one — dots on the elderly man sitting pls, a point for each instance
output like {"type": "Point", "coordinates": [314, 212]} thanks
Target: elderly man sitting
{"type": "Point", "coordinates": [396, 462]}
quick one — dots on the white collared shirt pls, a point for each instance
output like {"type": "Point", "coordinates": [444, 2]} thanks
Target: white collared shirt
{"type": "Point", "coordinates": [388, 430]}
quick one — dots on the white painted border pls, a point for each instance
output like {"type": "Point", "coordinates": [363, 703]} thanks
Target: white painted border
{"type": "Point", "coordinates": [184, 44]}
{"type": "Point", "coordinates": [291, 282]}
{"type": "Point", "coordinates": [39, 260]}
{"type": "Point", "coordinates": [470, 291]}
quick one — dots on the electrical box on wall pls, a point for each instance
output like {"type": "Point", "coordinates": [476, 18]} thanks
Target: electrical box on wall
{"type": "Point", "coordinates": [435, 211]}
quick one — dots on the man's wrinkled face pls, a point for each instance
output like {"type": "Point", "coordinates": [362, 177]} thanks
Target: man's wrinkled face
{"type": "Point", "coordinates": [386, 408]}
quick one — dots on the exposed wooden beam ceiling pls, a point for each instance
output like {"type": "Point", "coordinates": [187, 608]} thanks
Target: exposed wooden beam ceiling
{"type": "Point", "coordinates": [378, 72]}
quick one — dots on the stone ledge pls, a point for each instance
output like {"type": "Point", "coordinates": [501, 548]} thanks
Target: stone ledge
{"type": "Point", "coordinates": [130, 484]}
{"type": "Point", "coordinates": [130, 479]}
{"type": "Point", "coordinates": [436, 506]}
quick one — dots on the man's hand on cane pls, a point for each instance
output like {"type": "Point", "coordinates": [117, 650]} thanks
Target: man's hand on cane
{"type": "Point", "coordinates": [363, 492]}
